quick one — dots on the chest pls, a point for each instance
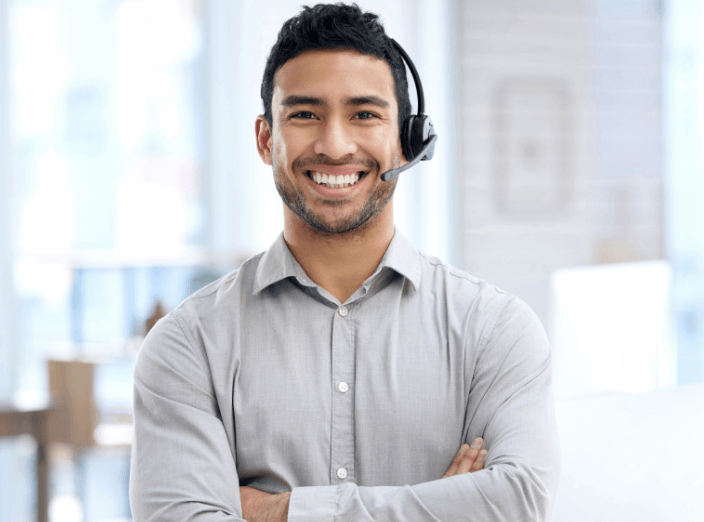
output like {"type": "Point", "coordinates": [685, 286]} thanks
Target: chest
{"type": "Point", "coordinates": [346, 388]}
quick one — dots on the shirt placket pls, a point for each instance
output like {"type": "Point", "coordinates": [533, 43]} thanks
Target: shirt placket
{"type": "Point", "coordinates": [342, 451]}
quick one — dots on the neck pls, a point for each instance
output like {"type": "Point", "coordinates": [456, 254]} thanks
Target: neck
{"type": "Point", "coordinates": [339, 263]}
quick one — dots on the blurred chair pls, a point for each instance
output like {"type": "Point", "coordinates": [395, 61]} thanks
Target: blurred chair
{"type": "Point", "coordinates": [92, 427]}
{"type": "Point", "coordinates": [86, 413]}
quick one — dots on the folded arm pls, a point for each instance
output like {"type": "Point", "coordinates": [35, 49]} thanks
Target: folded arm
{"type": "Point", "coordinates": [182, 465]}
{"type": "Point", "coordinates": [258, 506]}
{"type": "Point", "coordinates": [510, 405]}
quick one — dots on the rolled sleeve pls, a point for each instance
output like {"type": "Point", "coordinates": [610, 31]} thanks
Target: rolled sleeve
{"type": "Point", "coordinates": [313, 504]}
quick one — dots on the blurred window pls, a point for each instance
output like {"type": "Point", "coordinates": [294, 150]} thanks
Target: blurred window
{"type": "Point", "coordinates": [108, 185]}
{"type": "Point", "coordinates": [108, 147]}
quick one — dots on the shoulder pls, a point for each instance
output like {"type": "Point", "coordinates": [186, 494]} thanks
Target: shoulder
{"type": "Point", "coordinates": [460, 288]}
{"type": "Point", "coordinates": [483, 312]}
{"type": "Point", "coordinates": [206, 315]}
{"type": "Point", "coordinates": [220, 298]}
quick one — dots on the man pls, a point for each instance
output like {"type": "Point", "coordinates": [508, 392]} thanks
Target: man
{"type": "Point", "coordinates": [342, 375]}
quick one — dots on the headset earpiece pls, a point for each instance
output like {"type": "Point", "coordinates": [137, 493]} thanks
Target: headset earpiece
{"type": "Point", "coordinates": [417, 130]}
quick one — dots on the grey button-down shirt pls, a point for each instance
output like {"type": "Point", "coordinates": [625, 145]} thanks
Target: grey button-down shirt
{"type": "Point", "coordinates": [264, 379]}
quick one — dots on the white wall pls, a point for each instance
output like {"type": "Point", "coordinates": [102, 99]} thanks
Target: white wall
{"type": "Point", "coordinates": [611, 329]}
{"type": "Point", "coordinates": [560, 138]}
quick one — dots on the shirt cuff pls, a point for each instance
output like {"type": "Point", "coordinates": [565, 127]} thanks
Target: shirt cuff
{"type": "Point", "coordinates": [313, 504]}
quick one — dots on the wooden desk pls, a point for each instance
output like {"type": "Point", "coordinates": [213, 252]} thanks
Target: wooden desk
{"type": "Point", "coordinates": [18, 421]}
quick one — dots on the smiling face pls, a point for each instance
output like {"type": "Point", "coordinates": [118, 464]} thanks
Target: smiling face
{"type": "Point", "coordinates": [335, 131]}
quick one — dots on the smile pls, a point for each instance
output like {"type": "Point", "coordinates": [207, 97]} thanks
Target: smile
{"type": "Point", "coordinates": [333, 181]}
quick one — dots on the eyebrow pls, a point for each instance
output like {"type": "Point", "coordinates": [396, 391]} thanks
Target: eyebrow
{"type": "Point", "coordinates": [368, 100]}
{"type": "Point", "coordinates": [294, 99]}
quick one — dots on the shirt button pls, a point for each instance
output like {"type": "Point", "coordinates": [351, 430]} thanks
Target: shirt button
{"type": "Point", "coordinates": [342, 311]}
{"type": "Point", "coordinates": [342, 473]}
{"type": "Point", "coordinates": [343, 387]}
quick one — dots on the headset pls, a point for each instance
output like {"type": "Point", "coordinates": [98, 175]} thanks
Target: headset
{"type": "Point", "coordinates": [417, 134]}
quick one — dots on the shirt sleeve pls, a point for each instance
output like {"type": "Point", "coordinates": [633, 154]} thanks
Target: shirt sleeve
{"type": "Point", "coordinates": [510, 404]}
{"type": "Point", "coordinates": [182, 465]}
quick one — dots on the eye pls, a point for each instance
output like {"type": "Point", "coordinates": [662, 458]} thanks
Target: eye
{"type": "Point", "coordinates": [365, 115]}
{"type": "Point", "coordinates": [303, 115]}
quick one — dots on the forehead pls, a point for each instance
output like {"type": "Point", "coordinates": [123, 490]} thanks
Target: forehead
{"type": "Point", "coordinates": [334, 74]}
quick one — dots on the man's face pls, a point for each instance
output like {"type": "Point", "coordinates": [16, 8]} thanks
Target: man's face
{"type": "Point", "coordinates": [335, 131]}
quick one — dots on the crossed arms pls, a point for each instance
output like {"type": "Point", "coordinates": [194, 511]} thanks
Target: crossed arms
{"type": "Point", "coordinates": [258, 506]}
{"type": "Point", "coordinates": [184, 465]}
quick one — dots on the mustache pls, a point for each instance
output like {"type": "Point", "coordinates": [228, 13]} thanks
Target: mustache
{"type": "Point", "coordinates": [322, 159]}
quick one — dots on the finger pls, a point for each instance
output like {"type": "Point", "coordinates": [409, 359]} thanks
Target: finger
{"type": "Point", "coordinates": [470, 456]}
{"type": "Point", "coordinates": [452, 470]}
{"type": "Point", "coordinates": [479, 463]}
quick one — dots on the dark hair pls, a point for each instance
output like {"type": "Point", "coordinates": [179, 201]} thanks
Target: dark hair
{"type": "Point", "coordinates": [335, 26]}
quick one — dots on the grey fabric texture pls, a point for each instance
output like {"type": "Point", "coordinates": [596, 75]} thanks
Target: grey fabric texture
{"type": "Point", "coordinates": [241, 385]}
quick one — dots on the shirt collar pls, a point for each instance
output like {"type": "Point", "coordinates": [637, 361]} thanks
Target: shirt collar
{"type": "Point", "coordinates": [278, 263]}
{"type": "Point", "coordinates": [404, 258]}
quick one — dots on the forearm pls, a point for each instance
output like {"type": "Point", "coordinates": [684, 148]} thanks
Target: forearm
{"type": "Point", "coordinates": [499, 494]}
{"type": "Point", "coordinates": [258, 506]}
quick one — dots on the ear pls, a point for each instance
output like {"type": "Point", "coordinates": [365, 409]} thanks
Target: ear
{"type": "Point", "coordinates": [263, 133]}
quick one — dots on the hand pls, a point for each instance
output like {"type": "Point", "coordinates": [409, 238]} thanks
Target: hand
{"type": "Point", "coordinates": [468, 459]}
{"type": "Point", "coordinates": [258, 506]}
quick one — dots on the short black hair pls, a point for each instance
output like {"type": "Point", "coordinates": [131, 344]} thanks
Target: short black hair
{"type": "Point", "coordinates": [335, 26]}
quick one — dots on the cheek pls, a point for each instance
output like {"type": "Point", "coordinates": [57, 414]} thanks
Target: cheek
{"type": "Point", "coordinates": [387, 148]}
{"type": "Point", "coordinates": [288, 146]}
{"type": "Point", "coordinates": [278, 150]}
{"type": "Point", "coordinates": [276, 142]}
{"type": "Point", "coordinates": [389, 139]}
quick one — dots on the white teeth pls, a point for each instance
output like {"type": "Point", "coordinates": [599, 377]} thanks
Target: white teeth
{"type": "Point", "coordinates": [332, 181]}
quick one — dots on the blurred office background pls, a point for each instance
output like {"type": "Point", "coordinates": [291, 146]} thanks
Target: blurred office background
{"type": "Point", "coordinates": [568, 172]}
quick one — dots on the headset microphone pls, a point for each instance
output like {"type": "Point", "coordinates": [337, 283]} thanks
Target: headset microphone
{"type": "Point", "coordinates": [430, 146]}
{"type": "Point", "coordinates": [417, 134]}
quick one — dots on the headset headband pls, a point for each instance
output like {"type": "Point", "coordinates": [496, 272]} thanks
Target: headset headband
{"type": "Point", "coordinates": [414, 73]}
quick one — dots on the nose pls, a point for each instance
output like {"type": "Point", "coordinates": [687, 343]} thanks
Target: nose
{"type": "Point", "coordinates": [336, 139]}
